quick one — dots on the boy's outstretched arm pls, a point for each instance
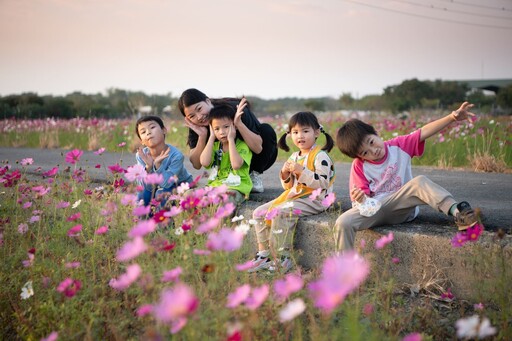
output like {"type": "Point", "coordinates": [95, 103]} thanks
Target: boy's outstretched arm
{"type": "Point", "coordinates": [436, 126]}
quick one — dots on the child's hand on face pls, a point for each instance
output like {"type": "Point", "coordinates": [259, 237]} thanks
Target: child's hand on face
{"type": "Point", "coordinates": [232, 133]}
{"type": "Point", "coordinates": [240, 110]}
{"type": "Point", "coordinates": [357, 194]}
{"type": "Point", "coordinates": [462, 113]}
{"type": "Point", "coordinates": [148, 160]}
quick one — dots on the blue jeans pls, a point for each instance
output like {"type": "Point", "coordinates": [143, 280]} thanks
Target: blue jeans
{"type": "Point", "coordinates": [147, 195]}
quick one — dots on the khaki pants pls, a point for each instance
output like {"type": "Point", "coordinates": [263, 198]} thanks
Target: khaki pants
{"type": "Point", "coordinates": [396, 208]}
{"type": "Point", "coordinates": [280, 233]}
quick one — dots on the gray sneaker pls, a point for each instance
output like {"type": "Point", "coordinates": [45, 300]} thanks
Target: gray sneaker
{"type": "Point", "coordinates": [260, 262]}
{"type": "Point", "coordinates": [257, 183]}
{"type": "Point", "coordinates": [284, 267]}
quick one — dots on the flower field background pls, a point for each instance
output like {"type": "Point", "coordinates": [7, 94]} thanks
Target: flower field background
{"type": "Point", "coordinates": [482, 145]}
{"type": "Point", "coordinates": [82, 260]}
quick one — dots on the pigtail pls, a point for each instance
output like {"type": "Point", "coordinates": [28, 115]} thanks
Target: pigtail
{"type": "Point", "coordinates": [282, 143]}
{"type": "Point", "coordinates": [329, 142]}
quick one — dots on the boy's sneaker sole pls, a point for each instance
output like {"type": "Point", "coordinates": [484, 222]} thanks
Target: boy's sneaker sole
{"type": "Point", "coordinates": [262, 263]}
{"type": "Point", "coordinates": [466, 217]}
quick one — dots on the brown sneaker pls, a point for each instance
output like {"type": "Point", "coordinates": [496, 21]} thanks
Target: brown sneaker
{"type": "Point", "coordinates": [466, 217]}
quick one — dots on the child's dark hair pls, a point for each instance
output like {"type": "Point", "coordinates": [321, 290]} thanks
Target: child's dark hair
{"type": "Point", "coordinates": [146, 119]}
{"type": "Point", "coordinates": [223, 110]}
{"type": "Point", "coordinates": [192, 96]}
{"type": "Point", "coordinates": [351, 135]}
{"type": "Point", "coordinates": [305, 119]}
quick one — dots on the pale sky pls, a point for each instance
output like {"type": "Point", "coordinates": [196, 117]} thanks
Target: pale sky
{"type": "Point", "coordinates": [265, 48]}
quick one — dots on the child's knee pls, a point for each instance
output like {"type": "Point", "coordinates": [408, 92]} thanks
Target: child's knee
{"type": "Point", "coordinates": [344, 222]}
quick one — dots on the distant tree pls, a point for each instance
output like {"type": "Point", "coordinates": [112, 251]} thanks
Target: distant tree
{"type": "Point", "coordinates": [314, 105]}
{"type": "Point", "coordinates": [407, 95]}
{"type": "Point", "coordinates": [449, 93]}
{"type": "Point", "coordinates": [346, 100]}
{"type": "Point", "coordinates": [58, 107]}
{"type": "Point", "coordinates": [504, 98]}
{"type": "Point", "coordinates": [371, 102]}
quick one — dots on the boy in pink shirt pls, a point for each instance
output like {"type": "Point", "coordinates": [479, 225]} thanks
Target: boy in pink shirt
{"type": "Point", "coordinates": [381, 170]}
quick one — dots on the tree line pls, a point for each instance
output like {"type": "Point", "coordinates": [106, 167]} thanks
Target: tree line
{"type": "Point", "coordinates": [117, 103]}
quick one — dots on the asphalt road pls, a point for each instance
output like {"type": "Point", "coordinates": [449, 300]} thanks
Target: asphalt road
{"type": "Point", "coordinates": [492, 192]}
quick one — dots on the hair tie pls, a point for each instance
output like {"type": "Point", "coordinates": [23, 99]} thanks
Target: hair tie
{"type": "Point", "coordinates": [322, 129]}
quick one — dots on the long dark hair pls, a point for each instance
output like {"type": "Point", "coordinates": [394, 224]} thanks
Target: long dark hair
{"type": "Point", "coordinates": [192, 96]}
{"type": "Point", "coordinates": [305, 119]}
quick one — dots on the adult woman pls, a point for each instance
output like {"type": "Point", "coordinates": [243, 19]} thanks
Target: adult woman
{"type": "Point", "coordinates": [260, 137]}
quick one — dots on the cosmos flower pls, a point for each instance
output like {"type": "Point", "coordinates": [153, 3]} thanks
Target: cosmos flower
{"type": "Point", "coordinates": [73, 156]}
{"type": "Point", "coordinates": [27, 290]}
{"type": "Point", "coordinates": [290, 284]}
{"type": "Point", "coordinates": [131, 249]}
{"type": "Point", "coordinates": [133, 272]}
{"type": "Point", "coordinates": [292, 310]}
{"type": "Point", "coordinates": [384, 240]}
{"type": "Point", "coordinates": [135, 173]}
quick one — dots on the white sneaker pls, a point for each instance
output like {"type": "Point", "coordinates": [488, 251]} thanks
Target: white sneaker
{"type": "Point", "coordinates": [261, 261]}
{"type": "Point", "coordinates": [257, 183]}
{"type": "Point", "coordinates": [285, 266]}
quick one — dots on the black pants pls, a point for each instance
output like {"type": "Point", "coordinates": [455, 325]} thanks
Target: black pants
{"type": "Point", "coordinates": [264, 160]}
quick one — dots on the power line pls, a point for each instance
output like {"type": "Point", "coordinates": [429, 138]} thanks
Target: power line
{"type": "Point", "coordinates": [501, 9]}
{"type": "Point", "coordinates": [427, 17]}
{"type": "Point", "coordinates": [445, 9]}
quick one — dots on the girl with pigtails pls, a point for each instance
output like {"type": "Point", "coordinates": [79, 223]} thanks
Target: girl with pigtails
{"type": "Point", "coordinates": [307, 178]}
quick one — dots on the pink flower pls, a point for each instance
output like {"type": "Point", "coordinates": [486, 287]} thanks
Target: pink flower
{"type": "Point", "coordinates": [75, 231]}
{"type": "Point", "coordinates": [69, 287]}
{"type": "Point", "coordinates": [226, 240]}
{"type": "Point", "coordinates": [125, 280]}
{"type": "Point", "coordinates": [74, 217]}
{"type": "Point", "coordinates": [51, 172]}
{"type": "Point", "coordinates": [99, 151]}
{"type": "Point", "coordinates": [474, 232]}
{"type": "Point", "coordinates": [34, 219]}
{"type": "Point", "coordinates": [238, 296]}
{"type": "Point", "coordinates": [459, 239]}
{"type": "Point", "coordinates": [22, 228]}
{"type": "Point", "coordinates": [395, 260]}
{"type": "Point", "coordinates": [272, 214]}
{"type": "Point", "coordinates": [175, 304]}
{"type": "Point", "coordinates": [135, 173]}
{"type": "Point", "coordinates": [479, 306]}
{"type": "Point", "coordinates": [175, 210]}
{"type": "Point", "coordinates": [368, 309]}
{"type": "Point", "coordinates": [72, 265]}
{"type": "Point", "coordinates": [172, 275]}
{"type": "Point", "coordinates": [202, 252]}
{"type": "Point", "coordinates": [122, 144]}
{"type": "Point", "coordinates": [53, 336]}
{"type": "Point", "coordinates": [28, 204]}
{"type": "Point", "coordinates": [62, 204]}
{"type": "Point", "coordinates": [116, 169]}
{"type": "Point", "coordinates": [131, 249]}
{"type": "Point", "coordinates": [88, 191]}
{"type": "Point", "coordinates": [225, 211]}
{"type": "Point", "coordinates": [31, 256]}
{"type": "Point", "coordinates": [244, 266]}
{"type": "Point", "coordinates": [129, 199]}
{"type": "Point", "coordinates": [315, 193]}
{"type": "Point", "coordinates": [329, 200]}
{"type": "Point", "coordinates": [101, 230]}
{"type": "Point", "coordinates": [292, 310]}
{"type": "Point", "coordinates": [208, 225]}
{"type": "Point", "coordinates": [97, 166]}
{"type": "Point", "coordinates": [144, 310]}
{"type": "Point", "coordinates": [288, 285]}
{"type": "Point", "coordinates": [297, 211]}
{"type": "Point", "coordinates": [412, 337]}
{"type": "Point", "coordinates": [73, 156]}
{"type": "Point", "coordinates": [383, 241]}
{"type": "Point", "coordinates": [340, 276]}
{"type": "Point", "coordinates": [448, 295]}
{"type": "Point", "coordinates": [141, 210]}
{"type": "Point", "coordinates": [27, 161]}
{"type": "Point", "coordinates": [154, 179]}
{"type": "Point", "coordinates": [257, 297]}
{"type": "Point", "coordinates": [142, 228]}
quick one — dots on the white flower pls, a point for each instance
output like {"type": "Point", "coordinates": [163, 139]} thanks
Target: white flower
{"type": "Point", "coordinates": [253, 222]}
{"type": "Point", "coordinates": [243, 228]}
{"type": "Point", "coordinates": [491, 122]}
{"type": "Point", "coordinates": [77, 203]}
{"type": "Point", "coordinates": [277, 231]}
{"type": "Point", "coordinates": [471, 327]}
{"type": "Point", "coordinates": [235, 219]}
{"type": "Point", "coordinates": [395, 134]}
{"type": "Point", "coordinates": [288, 204]}
{"type": "Point", "coordinates": [27, 290]}
{"type": "Point", "coordinates": [183, 187]}
{"type": "Point", "coordinates": [178, 231]}
{"type": "Point", "coordinates": [292, 310]}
